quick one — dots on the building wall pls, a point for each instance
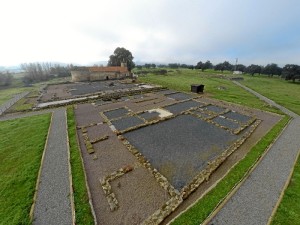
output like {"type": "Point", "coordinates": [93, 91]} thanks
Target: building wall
{"type": "Point", "coordinates": [78, 76]}
{"type": "Point", "coordinates": [101, 76]}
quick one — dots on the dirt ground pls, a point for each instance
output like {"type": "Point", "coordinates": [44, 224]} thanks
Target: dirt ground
{"type": "Point", "coordinates": [72, 90]}
{"type": "Point", "coordinates": [130, 196]}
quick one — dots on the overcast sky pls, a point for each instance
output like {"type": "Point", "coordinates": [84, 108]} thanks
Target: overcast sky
{"type": "Point", "coordinates": [159, 31]}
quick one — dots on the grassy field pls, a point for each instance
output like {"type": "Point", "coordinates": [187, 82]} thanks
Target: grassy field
{"type": "Point", "coordinates": [283, 92]}
{"type": "Point", "coordinates": [288, 211]}
{"type": "Point", "coordinates": [82, 207]}
{"type": "Point", "coordinates": [8, 93]}
{"type": "Point", "coordinates": [21, 148]}
{"type": "Point", "coordinates": [215, 85]}
{"type": "Point", "coordinates": [17, 87]}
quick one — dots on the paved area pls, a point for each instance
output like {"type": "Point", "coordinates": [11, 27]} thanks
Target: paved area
{"type": "Point", "coordinates": [255, 200]}
{"type": "Point", "coordinates": [12, 101]}
{"type": "Point", "coordinates": [53, 204]}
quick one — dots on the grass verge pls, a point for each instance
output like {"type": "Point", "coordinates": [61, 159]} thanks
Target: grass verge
{"type": "Point", "coordinates": [281, 91]}
{"type": "Point", "coordinates": [218, 87]}
{"type": "Point", "coordinates": [202, 209]}
{"type": "Point", "coordinates": [289, 208]}
{"type": "Point", "coordinates": [82, 207]}
{"type": "Point", "coordinates": [21, 148]}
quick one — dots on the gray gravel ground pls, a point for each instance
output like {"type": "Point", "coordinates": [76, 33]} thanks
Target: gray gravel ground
{"type": "Point", "coordinates": [182, 106]}
{"type": "Point", "coordinates": [53, 204]}
{"type": "Point", "coordinates": [215, 109]}
{"type": "Point", "coordinates": [127, 122]}
{"type": "Point", "coordinates": [92, 87]}
{"type": "Point", "coordinates": [182, 146]}
{"type": "Point", "coordinates": [226, 123]}
{"type": "Point", "coordinates": [179, 96]}
{"type": "Point", "coordinates": [116, 113]}
{"type": "Point", "coordinates": [255, 200]}
{"type": "Point", "coordinates": [237, 116]}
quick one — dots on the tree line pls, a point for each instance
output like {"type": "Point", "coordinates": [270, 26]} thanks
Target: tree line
{"type": "Point", "coordinates": [289, 71]}
{"type": "Point", "coordinates": [37, 72]}
{"type": "Point", "coordinates": [5, 79]}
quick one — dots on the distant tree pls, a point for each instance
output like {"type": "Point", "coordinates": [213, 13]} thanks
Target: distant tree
{"type": "Point", "coordinates": [153, 65]}
{"type": "Point", "coordinates": [207, 65]}
{"type": "Point", "coordinates": [252, 69]}
{"type": "Point", "coordinates": [291, 72]}
{"type": "Point", "coordinates": [204, 66]}
{"type": "Point", "coordinates": [147, 65]}
{"type": "Point", "coordinates": [223, 66]}
{"type": "Point", "coordinates": [199, 65]}
{"type": "Point", "coordinates": [5, 79]}
{"type": "Point", "coordinates": [272, 69]}
{"type": "Point", "coordinates": [219, 67]}
{"type": "Point", "coordinates": [139, 67]}
{"type": "Point", "coordinates": [36, 72]}
{"type": "Point", "coordinates": [121, 55]}
{"type": "Point", "coordinates": [174, 65]}
{"type": "Point", "coordinates": [241, 67]}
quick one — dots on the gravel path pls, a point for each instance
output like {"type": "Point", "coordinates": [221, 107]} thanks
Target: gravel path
{"type": "Point", "coordinates": [53, 204]}
{"type": "Point", "coordinates": [256, 198]}
{"type": "Point", "coordinates": [12, 101]}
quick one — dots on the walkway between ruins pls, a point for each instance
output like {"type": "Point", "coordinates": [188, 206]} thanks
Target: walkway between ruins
{"type": "Point", "coordinates": [53, 203]}
{"type": "Point", "coordinates": [254, 202]}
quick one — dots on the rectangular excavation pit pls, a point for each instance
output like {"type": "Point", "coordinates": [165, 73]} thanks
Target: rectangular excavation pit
{"type": "Point", "coordinates": [116, 113]}
{"type": "Point", "coordinates": [243, 119]}
{"type": "Point", "coordinates": [229, 124]}
{"type": "Point", "coordinates": [202, 113]}
{"type": "Point", "coordinates": [139, 196]}
{"type": "Point", "coordinates": [180, 148]}
{"type": "Point", "coordinates": [182, 106]}
{"type": "Point", "coordinates": [179, 96]}
{"type": "Point", "coordinates": [215, 109]}
{"type": "Point", "coordinates": [127, 122]}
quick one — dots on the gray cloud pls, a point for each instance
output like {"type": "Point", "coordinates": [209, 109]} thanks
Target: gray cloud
{"type": "Point", "coordinates": [255, 31]}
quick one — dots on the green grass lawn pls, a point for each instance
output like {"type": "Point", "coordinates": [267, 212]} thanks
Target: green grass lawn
{"type": "Point", "coordinates": [21, 148]}
{"type": "Point", "coordinates": [285, 93]}
{"type": "Point", "coordinates": [288, 211]}
{"type": "Point", "coordinates": [8, 93]}
{"type": "Point", "coordinates": [82, 207]}
{"type": "Point", "coordinates": [218, 88]}
{"type": "Point", "coordinates": [201, 210]}
{"type": "Point", "coordinates": [17, 87]}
